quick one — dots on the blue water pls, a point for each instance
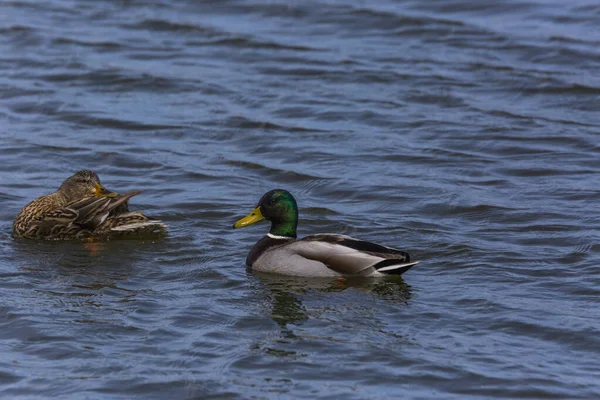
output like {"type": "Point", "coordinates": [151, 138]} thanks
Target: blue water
{"type": "Point", "coordinates": [463, 132]}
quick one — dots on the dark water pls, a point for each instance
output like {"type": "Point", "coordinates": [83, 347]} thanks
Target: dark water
{"type": "Point", "coordinates": [463, 131]}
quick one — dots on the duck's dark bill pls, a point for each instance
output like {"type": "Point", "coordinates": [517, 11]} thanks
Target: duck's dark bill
{"type": "Point", "coordinates": [252, 218]}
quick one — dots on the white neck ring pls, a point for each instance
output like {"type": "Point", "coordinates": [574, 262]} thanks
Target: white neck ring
{"type": "Point", "coordinates": [276, 236]}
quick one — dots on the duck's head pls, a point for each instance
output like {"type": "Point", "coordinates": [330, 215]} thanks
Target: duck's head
{"type": "Point", "coordinates": [84, 184]}
{"type": "Point", "coordinates": [277, 206]}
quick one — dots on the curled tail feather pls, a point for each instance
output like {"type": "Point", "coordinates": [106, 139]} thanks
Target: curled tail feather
{"type": "Point", "coordinates": [394, 267]}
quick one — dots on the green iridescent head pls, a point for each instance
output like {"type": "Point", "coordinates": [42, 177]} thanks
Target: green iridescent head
{"type": "Point", "coordinates": [277, 206]}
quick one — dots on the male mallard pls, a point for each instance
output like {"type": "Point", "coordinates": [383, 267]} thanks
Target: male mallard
{"type": "Point", "coordinates": [82, 208]}
{"type": "Point", "coordinates": [323, 255]}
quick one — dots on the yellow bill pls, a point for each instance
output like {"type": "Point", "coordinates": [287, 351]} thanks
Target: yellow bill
{"type": "Point", "coordinates": [252, 218]}
{"type": "Point", "coordinates": [101, 191]}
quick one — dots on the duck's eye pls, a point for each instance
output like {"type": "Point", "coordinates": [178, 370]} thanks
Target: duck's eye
{"type": "Point", "coordinates": [271, 201]}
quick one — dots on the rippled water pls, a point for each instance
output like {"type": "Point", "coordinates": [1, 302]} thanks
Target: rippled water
{"type": "Point", "coordinates": [465, 132]}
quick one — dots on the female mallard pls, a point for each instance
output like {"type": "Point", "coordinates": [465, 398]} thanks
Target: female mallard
{"type": "Point", "coordinates": [82, 208]}
{"type": "Point", "coordinates": [323, 255]}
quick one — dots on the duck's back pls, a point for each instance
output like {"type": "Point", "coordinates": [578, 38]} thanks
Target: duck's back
{"type": "Point", "coordinates": [326, 255]}
{"type": "Point", "coordinates": [34, 211]}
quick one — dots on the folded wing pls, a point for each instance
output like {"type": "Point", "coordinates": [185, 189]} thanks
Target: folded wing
{"type": "Point", "coordinates": [347, 255]}
{"type": "Point", "coordinates": [83, 215]}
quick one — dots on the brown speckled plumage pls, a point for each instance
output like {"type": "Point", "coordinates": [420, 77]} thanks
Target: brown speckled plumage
{"type": "Point", "coordinates": [82, 208]}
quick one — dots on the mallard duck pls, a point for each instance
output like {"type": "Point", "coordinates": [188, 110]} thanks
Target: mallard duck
{"type": "Point", "coordinates": [322, 255]}
{"type": "Point", "coordinates": [82, 208]}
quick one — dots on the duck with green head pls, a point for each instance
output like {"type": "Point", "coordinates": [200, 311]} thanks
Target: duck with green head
{"type": "Point", "coordinates": [322, 255]}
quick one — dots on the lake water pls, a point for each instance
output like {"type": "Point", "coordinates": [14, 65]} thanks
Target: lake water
{"type": "Point", "coordinates": [465, 132]}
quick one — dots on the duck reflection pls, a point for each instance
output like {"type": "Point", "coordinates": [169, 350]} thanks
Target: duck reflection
{"type": "Point", "coordinates": [285, 292]}
{"type": "Point", "coordinates": [75, 275]}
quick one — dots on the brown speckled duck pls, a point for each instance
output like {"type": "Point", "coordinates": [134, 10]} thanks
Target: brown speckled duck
{"type": "Point", "coordinates": [83, 208]}
{"type": "Point", "coordinates": [322, 255]}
